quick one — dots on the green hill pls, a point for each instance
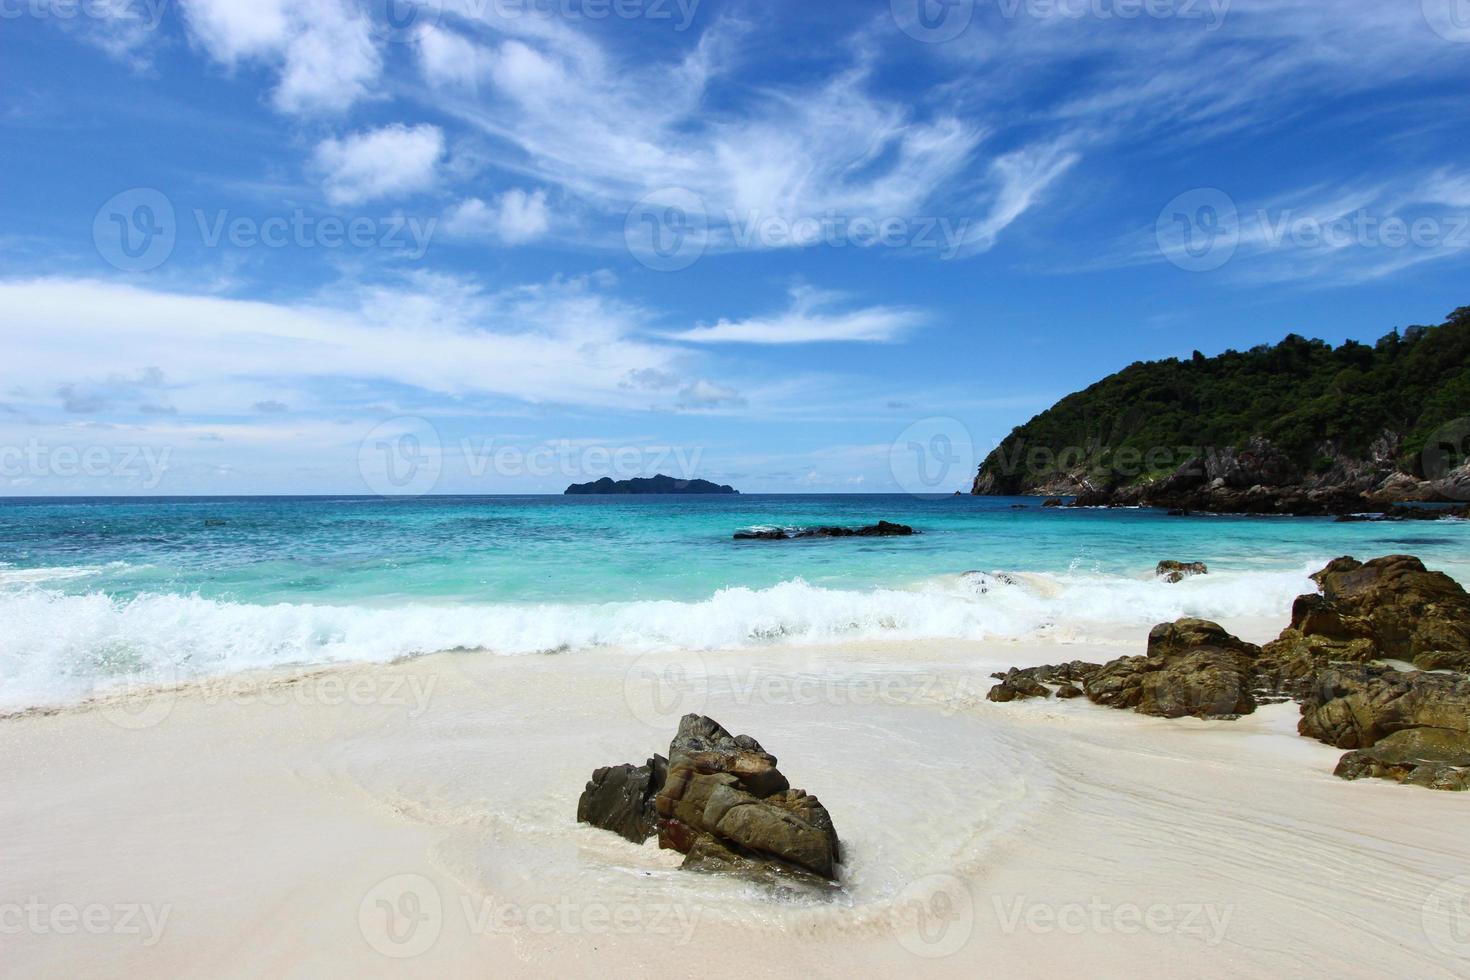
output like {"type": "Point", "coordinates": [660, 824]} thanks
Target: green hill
{"type": "Point", "coordinates": [1311, 401]}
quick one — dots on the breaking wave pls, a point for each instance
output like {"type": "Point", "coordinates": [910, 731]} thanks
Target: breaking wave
{"type": "Point", "coordinates": [57, 647]}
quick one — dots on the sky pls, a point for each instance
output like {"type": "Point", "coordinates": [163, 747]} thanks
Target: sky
{"type": "Point", "coordinates": [500, 246]}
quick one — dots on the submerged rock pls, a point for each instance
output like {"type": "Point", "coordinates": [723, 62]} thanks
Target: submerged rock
{"type": "Point", "coordinates": [1016, 686]}
{"type": "Point", "coordinates": [1178, 571]}
{"type": "Point", "coordinates": [883, 529]}
{"type": "Point", "coordinates": [1027, 682]}
{"type": "Point", "coordinates": [720, 800]}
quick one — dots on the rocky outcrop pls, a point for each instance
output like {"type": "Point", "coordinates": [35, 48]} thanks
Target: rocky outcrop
{"type": "Point", "coordinates": [720, 800]}
{"type": "Point", "coordinates": [1390, 608]}
{"type": "Point", "coordinates": [1019, 683]}
{"type": "Point", "coordinates": [1193, 667]}
{"type": "Point", "coordinates": [1412, 726]}
{"type": "Point", "coordinates": [1178, 571]}
{"type": "Point", "coordinates": [1257, 478]}
{"type": "Point", "coordinates": [727, 806]}
{"type": "Point", "coordinates": [1355, 707]}
{"type": "Point", "coordinates": [883, 529]}
{"type": "Point", "coordinates": [620, 799]}
{"type": "Point", "coordinates": [1429, 757]}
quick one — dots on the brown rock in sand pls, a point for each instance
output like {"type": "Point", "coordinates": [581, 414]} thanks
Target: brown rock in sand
{"type": "Point", "coordinates": [720, 800]}
{"type": "Point", "coordinates": [1193, 668]}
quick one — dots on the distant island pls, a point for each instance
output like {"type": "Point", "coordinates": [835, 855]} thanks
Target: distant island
{"type": "Point", "coordinates": [647, 485]}
{"type": "Point", "coordinates": [1298, 427]}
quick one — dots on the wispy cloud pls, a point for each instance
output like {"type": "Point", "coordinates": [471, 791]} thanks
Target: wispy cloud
{"type": "Point", "coordinates": [1320, 234]}
{"type": "Point", "coordinates": [811, 319]}
{"type": "Point", "coordinates": [559, 342]}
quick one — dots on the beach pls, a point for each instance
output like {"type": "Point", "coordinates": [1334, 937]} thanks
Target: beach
{"type": "Point", "coordinates": [419, 817]}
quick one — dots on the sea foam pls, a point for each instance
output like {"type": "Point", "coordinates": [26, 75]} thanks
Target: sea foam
{"type": "Point", "coordinates": [58, 647]}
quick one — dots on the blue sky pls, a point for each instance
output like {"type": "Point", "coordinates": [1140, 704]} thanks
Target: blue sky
{"type": "Point", "coordinates": [503, 245]}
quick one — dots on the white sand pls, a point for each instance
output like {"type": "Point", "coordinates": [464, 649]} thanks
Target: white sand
{"type": "Point", "coordinates": [333, 823]}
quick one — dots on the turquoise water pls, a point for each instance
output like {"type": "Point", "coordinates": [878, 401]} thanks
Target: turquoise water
{"type": "Point", "coordinates": [95, 589]}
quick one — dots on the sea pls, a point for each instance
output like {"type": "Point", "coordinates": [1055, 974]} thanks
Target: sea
{"type": "Point", "coordinates": [100, 592]}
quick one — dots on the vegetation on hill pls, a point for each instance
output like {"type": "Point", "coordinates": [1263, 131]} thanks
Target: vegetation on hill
{"type": "Point", "coordinates": [1302, 395]}
{"type": "Point", "coordinates": [647, 485]}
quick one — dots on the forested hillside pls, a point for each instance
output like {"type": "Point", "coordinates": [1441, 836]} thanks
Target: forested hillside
{"type": "Point", "coordinates": [1311, 401]}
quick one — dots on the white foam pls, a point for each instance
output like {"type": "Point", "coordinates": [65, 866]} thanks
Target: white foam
{"type": "Point", "coordinates": [29, 576]}
{"type": "Point", "coordinates": [57, 647]}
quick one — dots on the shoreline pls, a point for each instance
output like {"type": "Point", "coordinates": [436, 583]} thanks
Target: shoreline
{"type": "Point", "coordinates": [260, 821]}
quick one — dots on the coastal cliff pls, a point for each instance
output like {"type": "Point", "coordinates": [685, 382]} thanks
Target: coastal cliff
{"type": "Point", "coordinates": [1299, 427]}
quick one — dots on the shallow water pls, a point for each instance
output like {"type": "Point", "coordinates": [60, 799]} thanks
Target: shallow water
{"type": "Point", "coordinates": [97, 592]}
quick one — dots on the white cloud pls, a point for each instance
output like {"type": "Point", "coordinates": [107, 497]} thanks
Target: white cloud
{"type": "Point", "coordinates": [124, 29]}
{"type": "Point", "coordinates": [323, 49]}
{"type": "Point", "coordinates": [558, 342]}
{"type": "Point", "coordinates": [514, 217]}
{"type": "Point", "coordinates": [1329, 235]}
{"type": "Point", "coordinates": [1022, 177]}
{"type": "Point", "coordinates": [392, 161]}
{"type": "Point", "coordinates": [803, 322]}
{"type": "Point", "coordinates": [704, 394]}
{"type": "Point", "coordinates": [450, 59]}
{"type": "Point", "coordinates": [561, 108]}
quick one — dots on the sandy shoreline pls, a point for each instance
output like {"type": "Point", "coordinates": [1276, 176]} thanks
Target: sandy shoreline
{"type": "Point", "coordinates": [418, 818]}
